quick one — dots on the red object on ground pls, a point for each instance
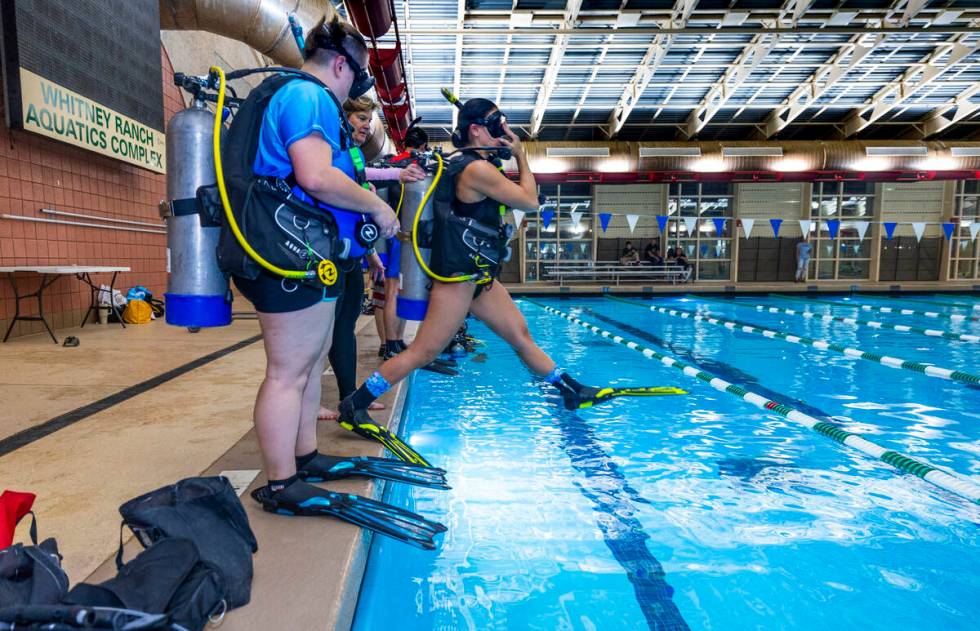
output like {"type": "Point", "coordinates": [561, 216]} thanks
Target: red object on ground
{"type": "Point", "coordinates": [13, 506]}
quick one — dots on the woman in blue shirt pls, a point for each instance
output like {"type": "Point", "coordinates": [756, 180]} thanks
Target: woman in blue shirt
{"type": "Point", "coordinates": [302, 140]}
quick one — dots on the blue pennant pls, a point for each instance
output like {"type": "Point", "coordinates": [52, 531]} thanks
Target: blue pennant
{"type": "Point", "coordinates": [948, 228]}
{"type": "Point", "coordinates": [775, 223]}
{"type": "Point", "coordinates": [719, 226]}
{"type": "Point", "coordinates": [604, 219]}
{"type": "Point", "coordinates": [890, 229]}
{"type": "Point", "coordinates": [833, 226]}
{"type": "Point", "coordinates": [546, 217]}
{"type": "Point", "coordinates": [704, 251]}
{"type": "Point", "coordinates": [662, 222]}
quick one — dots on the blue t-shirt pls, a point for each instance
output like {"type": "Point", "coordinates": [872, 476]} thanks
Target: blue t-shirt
{"type": "Point", "coordinates": [803, 250]}
{"type": "Point", "coordinates": [295, 111]}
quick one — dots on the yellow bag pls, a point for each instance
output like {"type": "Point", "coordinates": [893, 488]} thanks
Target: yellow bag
{"type": "Point", "coordinates": [137, 312]}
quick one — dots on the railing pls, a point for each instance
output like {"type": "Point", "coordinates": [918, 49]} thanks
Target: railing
{"type": "Point", "coordinates": [598, 271]}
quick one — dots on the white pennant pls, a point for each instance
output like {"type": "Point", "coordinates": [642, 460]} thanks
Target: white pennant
{"type": "Point", "coordinates": [631, 220]}
{"type": "Point", "coordinates": [690, 223]}
{"type": "Point", "coordinates": [576, 216]}
{"type": "Point", "coordinates": [919, 228]}
{"type": "Point", "coordinates": [805, 225]}
{"type": "Point", "coordinates": [747, 226]}
{"type": "Point", "coordinates": [974, 230]}
{"type": "Point", "coordinates": [518, 218]}
{"type": "Point", "coordinates": [862, 228]}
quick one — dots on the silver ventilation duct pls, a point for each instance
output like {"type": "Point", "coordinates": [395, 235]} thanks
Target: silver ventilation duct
{"type": "Point", "coordinates": [779, 157]}
{"type": "Point", "coordinates": [264, 26]}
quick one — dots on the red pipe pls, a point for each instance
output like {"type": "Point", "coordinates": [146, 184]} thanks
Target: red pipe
{"type": "Point", "coordinates": [371, 17]}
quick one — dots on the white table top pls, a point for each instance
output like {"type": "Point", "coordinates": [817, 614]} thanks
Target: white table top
{"type": "Point", "coordinates": [63, 269]}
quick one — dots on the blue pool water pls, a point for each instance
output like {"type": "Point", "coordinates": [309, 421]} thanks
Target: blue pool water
{"type": "Point", "coordinates": [698, 511]}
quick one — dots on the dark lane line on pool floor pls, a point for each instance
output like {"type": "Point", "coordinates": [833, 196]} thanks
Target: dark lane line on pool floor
{"type": "Point", "coordinates": [31, 434]}
{"type": "Point", "coordinates": [725, 371]}
{"type": "Point", "coordinates": [607, 488]}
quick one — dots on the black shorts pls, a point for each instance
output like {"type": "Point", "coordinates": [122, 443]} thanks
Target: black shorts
{"type": "Point", "coordinates": [275, 294]}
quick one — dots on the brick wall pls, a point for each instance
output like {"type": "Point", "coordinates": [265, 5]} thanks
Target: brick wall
{"type": "Point", "coordinates": [36, 173]}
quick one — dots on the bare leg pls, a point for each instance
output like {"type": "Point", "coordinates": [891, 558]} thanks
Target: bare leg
{"type": "Point", "coordinates": [312, 411]}
{"type": "Point", "coordinates": [394, 326]}
{"type": "Point", "coordinates": [497, 310]}
{"type": "Point", "coordinates": [293, 344]}
{"type": "Point", "coordinates": [379, 322]}
{"type": "Point", "coordinates": [448, 305]}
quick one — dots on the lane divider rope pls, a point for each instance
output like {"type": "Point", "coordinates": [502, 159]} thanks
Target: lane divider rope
{"type": "Point", "coordinates": [960, 305]}
{"type": "Point", "coordinates": [823, 345]}
{"type": "Point", "coordinates": [874, 324]}
{"type": "Point", "coordinates": [955, 317]}
{"type": "Point", "coordinates": [953, 483]}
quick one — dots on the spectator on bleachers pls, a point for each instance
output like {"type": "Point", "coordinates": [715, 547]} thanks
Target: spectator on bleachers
{"type": "Point", "coordinates": [680, 259]}
{"type": "Point", "coordinates": [802, 259]}
{"type": "Point", "coordinates": [671, 257]}
{"type": "Point", "coordinates": [630, 256]}
{"type": "Point", "coordinates": [651, 254]}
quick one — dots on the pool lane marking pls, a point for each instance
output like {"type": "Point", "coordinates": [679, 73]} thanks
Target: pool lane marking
{"type": "Point", "coordinates": [31, 434]}
{"type": "Point", "coordinates": [955, 317]}
{"type": "Point", "coordinates": [902, 328]}
{"type": "Point", "coordinates": [953, 483]}
{"type": "Point", "coordinates": [823, 345]}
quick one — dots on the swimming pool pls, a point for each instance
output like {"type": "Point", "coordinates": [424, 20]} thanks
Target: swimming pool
{"type": "Point", "coordinates": [698, 511]}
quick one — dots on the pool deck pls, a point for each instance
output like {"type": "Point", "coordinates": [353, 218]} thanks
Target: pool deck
{"type": "Point", "coordinates": [307, 570]}
{"type": "Point", "coordinates": [728, 287]}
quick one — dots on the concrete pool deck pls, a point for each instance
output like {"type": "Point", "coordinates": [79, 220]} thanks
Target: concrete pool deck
{"type": "Point", "coordinates": [307, 570]}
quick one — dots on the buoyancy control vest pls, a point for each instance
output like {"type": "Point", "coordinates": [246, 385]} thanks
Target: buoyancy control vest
{"type": "Point", "coordinates": [278, 219]}
{"type": "Point", "coordinates": [467, 238]}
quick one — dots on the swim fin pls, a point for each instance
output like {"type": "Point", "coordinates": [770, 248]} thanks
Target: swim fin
{"type": "Point", "coordinates": [440, 368]}
{"type": "Point", "coordinates": [361, 423]}
{"type": "Point", "coordinates": [578, 397]}
{"type": "Point", "coordinates": [325, 468]}
{"type": "Point", "coordinates": [304, 499]}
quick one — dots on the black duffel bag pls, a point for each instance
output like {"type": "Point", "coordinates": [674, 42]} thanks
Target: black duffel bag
{"type": "Point", "coordinates": [207, 512]}
{"type": "Point", "coordinates": [169, 578]}
{"type": "Point", "coordinates": [32, 575]}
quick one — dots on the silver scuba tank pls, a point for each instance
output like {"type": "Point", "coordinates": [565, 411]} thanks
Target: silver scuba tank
{"type": "Point", "coordinates": [413, 298]}
{"type": "Point", "coordinates": [197, 291]}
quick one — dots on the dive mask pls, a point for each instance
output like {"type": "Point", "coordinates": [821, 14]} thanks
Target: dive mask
{"type": "Point", "coordinates": [362, 80]}
{"type": "Point", "coordinates": [494, 123]}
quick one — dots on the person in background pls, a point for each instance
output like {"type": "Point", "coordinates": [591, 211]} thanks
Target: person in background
{"type": "Point", "coordinates": [802, 258]}
{"type": "Point", "coordinates": [343, 351]}
{"type": "Point", "coordinates": [651, 254]}
{"type": "Point", "coordinates": [630, 256]}
{"type": "Point", "coordinates": [671, 257]}
{"type": "Point", "coordinates": [680, 259]}
{"type": "Point", "coordinates": [416, 139]}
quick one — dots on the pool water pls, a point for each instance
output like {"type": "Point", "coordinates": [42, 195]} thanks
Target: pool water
{"type": "Point", "coordinates": [699, 511]}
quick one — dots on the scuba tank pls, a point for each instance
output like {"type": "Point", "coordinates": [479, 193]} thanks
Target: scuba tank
{"type": "Point", "coordinates": [197, 291]}
{"type": "Point", "coordinates": [413, 298]}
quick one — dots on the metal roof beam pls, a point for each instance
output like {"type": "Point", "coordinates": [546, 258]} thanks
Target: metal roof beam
{"type": "Point", "coordinates": [554, 66]}
{"type": "Point", "coordinates": [819, 83]}
{"type": "Point", "coordinates": [911, 81]}
{"type": "Point", "coordinates": [955, 111]}
{"type": "Point", "coordinates": [503, 66]}
{"type": "Point", "coordinates": [458, 66]}
{"type": "Point", "coordinates": [729, 83]}
{"type": "Point", "coordinates": [651, 61]}
{"type": "Point", "coordinates": [793, 9]}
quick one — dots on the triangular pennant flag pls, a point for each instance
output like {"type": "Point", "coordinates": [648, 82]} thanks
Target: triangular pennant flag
{"type": "Point", "coordinates": [704, 250]}
{"type": "Point", "coordinates": [805, 225]}
{"type": "Point", "coordinates": [775, 223]}
{"type": "Point", "coordinates": [948, 230]}
{"type": "Point", "coordinates": [974, 230]}
{"type": "Point", "coordinates": [747, 226]}
{"type": "Point", "coordinates": [919, 228]}
{"type": "Point", "coordinates": [632, 219]}
{"type": "Point", "coordinates": [719, 226]}
{"type": "Point", "coordinates": [518, 218]}
{"type": "Point", "coordinates": [661, 222]}
{"type": "Point", "coordinates": [833, 227]}
{"type": "Point", "coordinates": [576, 216]}
{"type": "Point", "coordinates": [690, 223]}
{"type": "Point", "coordinates": [546, 217]}
{"type": "Point", "coordinates": [604, 220]}
{"type": "Point", "coordinates": [890, 229]}
{"type": "Point", "coordinates": [862, 228]}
